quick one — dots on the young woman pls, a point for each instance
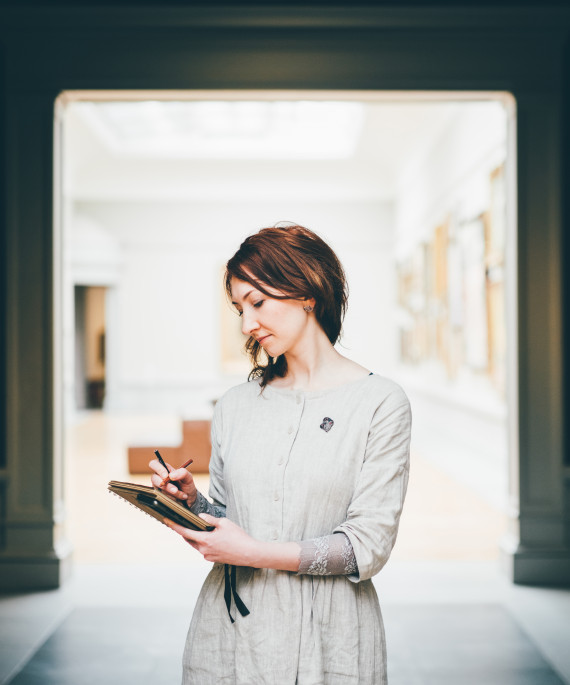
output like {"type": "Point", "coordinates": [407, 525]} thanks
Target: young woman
{"type": "Point", "coordinates": [308, 473]}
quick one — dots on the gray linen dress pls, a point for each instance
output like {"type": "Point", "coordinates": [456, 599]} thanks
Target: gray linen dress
{"type": "Point", "coordinates": [282, 476]}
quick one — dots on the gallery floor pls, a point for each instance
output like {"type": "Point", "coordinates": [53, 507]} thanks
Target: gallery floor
{"type": "Point", "coordinates": [450, 614]}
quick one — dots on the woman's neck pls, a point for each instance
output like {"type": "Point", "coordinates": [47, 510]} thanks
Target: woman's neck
{"type": "Point", "coordinates": [317, 366]}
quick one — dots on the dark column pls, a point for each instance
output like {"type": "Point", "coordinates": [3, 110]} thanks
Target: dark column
{"type": "Point", "coordinates": [538, 551]}
{"type": "Point", "coordinates": [33, 544]}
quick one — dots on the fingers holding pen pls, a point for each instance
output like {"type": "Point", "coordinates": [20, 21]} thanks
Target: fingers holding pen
{"type": "Point", "coordinates": [171, 489]}
{"type": "Point", "coordinates": [159, 469]}
{"type": "Point", "coordinates": [177, 482]}
{"type": "Point", "coordinates": [180, 474]}
{"type": "Point", "coordinates": [161, 479]}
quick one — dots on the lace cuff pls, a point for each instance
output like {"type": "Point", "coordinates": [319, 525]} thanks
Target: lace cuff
{"type": "Point", "coordinates": [203, 506]}
{"type": "Point", "coordinates": [329, 555]}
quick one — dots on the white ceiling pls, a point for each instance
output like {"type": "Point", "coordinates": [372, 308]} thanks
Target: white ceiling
{"type": "Point", "coordinates": [248, 150]}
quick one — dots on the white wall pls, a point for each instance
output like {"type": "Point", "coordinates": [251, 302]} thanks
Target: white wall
{"type": "Point", "coordinates": [452, 174]}
{"type": "Point", "coordinates": [452, 177]}
{"type": "Point", "coordinates": [173, 222]}
{"type": "Point", "coordinates": [460, 425]}
{"type": "Point", "coordinates": [168, 226]}
{"type": "Point", "coordinates": [163, 336]}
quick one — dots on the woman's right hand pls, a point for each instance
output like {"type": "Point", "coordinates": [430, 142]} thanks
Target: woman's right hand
{"type": "Point", "coordinates": [184, 490]}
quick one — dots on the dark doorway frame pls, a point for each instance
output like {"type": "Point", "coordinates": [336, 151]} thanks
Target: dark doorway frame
{"type": "Point", "coordinates": [45, 52]}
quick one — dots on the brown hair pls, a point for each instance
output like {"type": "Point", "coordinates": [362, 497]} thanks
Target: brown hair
{"type": "Point", "coordinates": [295, 261]}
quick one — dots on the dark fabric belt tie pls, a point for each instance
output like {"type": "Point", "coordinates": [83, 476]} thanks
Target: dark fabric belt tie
{"type": "Point", "coordinates": [230, 589]}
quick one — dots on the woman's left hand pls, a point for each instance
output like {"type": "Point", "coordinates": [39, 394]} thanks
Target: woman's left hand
{"type": "Point", "coordinates": [226, 544]}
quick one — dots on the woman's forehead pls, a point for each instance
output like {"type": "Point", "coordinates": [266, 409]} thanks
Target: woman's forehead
{"type": "Point", "coordinates": [241, 289]}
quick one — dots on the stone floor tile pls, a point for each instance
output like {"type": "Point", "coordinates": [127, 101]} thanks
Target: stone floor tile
{"type": "Point", "coordinates": [475, 645]}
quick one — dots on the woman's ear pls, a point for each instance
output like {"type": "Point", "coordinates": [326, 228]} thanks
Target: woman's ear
{"type": "Point", "coordinates": [309, 304]}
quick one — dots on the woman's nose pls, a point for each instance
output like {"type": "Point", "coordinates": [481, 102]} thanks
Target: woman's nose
{"type": "Point", "coordinates": [248, 323]}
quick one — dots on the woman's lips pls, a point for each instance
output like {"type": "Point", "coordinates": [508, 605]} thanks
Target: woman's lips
{"type": "Point", "coordinates": [260, 340]}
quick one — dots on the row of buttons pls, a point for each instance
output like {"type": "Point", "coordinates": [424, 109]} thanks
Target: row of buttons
{"type": "Point", "coordinates": [280, 462]}
{"type": "Point", "coordinates": [299, 400]}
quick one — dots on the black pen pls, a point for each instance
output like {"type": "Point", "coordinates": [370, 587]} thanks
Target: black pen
{"type": "Point", "coordinates": [161, 460]}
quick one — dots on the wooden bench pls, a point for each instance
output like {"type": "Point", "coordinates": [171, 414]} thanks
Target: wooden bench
{"type": "Point", "coordinates": [195, 445]}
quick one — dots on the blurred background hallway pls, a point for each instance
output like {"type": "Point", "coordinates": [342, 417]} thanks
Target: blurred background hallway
{"type": "Point", "coordinates": [415, 192]}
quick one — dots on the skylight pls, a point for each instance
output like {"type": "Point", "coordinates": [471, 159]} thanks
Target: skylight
{"type": "Point", "coordinates": [229, 129]}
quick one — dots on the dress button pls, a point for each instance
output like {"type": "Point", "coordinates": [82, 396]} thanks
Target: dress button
{"type": "Point", "coordinates": [274, 535]}
{"type": "Point", "coordinates": [299, 399]}
{"type": "Point", "coordinates": [290, 430]}
{"type": "Point", "coordinates": [280, 462]}
{"type": "Point", "coordinates": [276, 497]}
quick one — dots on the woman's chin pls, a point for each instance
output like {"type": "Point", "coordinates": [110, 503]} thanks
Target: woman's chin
{"type": "Point", "coordinates": [273, 350]}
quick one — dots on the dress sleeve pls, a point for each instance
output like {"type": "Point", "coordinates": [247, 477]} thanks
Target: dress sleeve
{"type": "Point", "coordinates": [203, 506]}
{"type": "Point", "coordinates": [373, 515]}
{"type": "Point", "coordinates": [329, 555]}
{"type": "Point", "coordinates": [217, 488]}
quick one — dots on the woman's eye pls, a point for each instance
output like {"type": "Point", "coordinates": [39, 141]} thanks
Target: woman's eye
{"type": "Point", "coordinates": [257, 305]}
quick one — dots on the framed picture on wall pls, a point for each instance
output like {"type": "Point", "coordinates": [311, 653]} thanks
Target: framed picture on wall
{"type": "Point", "coordinates": [496, 228]}
{"type": "Point", "coordinates": [471, 237]}
{"type": "Point", "coordinates": [495, 238]}
{"type": "Point", "coordinates": [440, 261]}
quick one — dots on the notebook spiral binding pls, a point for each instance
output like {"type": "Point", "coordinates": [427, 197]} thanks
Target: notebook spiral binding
{"type": "Point", "coordinates": [116, 494]}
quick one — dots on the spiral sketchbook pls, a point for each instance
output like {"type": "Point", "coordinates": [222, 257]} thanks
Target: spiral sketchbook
{"type": "Point", "coordinates": [157, 504]}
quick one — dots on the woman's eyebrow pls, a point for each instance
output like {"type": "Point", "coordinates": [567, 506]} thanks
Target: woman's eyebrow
{"type": "Point", "coordinates": [245, 296]}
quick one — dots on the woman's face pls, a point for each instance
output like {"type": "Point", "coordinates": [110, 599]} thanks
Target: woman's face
{"type": "Point", "coordinates": [278, 325]}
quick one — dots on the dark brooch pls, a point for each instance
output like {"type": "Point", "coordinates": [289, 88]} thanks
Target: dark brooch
{"type": "Point", "coordinates": [327, 424]}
